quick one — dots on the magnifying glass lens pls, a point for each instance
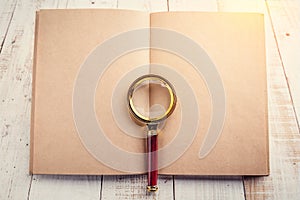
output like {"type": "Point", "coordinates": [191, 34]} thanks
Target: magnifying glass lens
{"type": "Point", "coordinates": [151, 98]}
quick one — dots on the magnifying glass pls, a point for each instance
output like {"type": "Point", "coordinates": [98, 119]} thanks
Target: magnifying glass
{"type": "Point", "coordinates": [151, 119]}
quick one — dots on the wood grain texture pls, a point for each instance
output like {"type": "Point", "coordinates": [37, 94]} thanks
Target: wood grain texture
{"type": "Point", "coordinates": [144, 5]}
{"type": "Point", "coordinates": [285, 19]}
{"type": "Point", "coordinates": [193, 5]}
{"type": "Point", "coordinates": [7, 9]}
{"type": "Point", "coordinates": [204, 187]}
{"type": "Point", "coordinates": [92, 4]}
{"type": "Point", "coordinates": [284, 138]}
{"type": "Point", "coordinates": [65, 187]}
{"type": "Point", "coordinates": [134, 187]}
{"type": "Point", "coordinates": [208, 188]}
{"type": "Point", "coordinates": [15, 95]}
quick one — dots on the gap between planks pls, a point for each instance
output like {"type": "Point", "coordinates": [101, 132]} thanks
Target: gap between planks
{"type": "Point", "coordinates": [7, 11]}
{"type": "Point", "coordinates": [286, 29]}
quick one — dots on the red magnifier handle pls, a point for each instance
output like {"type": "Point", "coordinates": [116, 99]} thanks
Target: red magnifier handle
{"type": "Point", "coordinates": [152, 147]}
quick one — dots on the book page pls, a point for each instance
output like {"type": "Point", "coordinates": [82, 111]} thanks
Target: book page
{"type": "Point", "coordinates": [225, 45]}
{"type": "Point", "coordinates": [65, 41]}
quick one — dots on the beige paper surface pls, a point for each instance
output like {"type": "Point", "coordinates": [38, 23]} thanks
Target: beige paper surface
{"type": "Point", "coordinates": [234, 42]}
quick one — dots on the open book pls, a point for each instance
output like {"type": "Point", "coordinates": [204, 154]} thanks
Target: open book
{"type": "Point", "coordinates": [85, 60]}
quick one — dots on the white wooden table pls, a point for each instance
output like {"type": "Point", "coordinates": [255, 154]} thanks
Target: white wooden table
{"type": "Point", "coordinates": [282, 21]}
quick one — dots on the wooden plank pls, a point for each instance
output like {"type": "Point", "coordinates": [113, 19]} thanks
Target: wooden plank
{"type": "Point", "coordinates": [193, 5]}
{"type": "Point", "coordinates": [92, 4]}
{"type": "Point", "coordinates": [286, 24]}
{"type": "Point", "coordinates": [7, 9]}
{"type": "Point", "coordinates": [204, 187]}
{"type": "Point", "coordinates": [209, 188]}
{"type": "Point", "coordinates": [15, 95]}
{"type": "Point", "coordinates": [284, 138]}
{"type": "Point", "coordinates": [144, 5]}
{"type": "Point", "coordinates": [134, 186]}
{"type": "Point", "coordinates": [48, 4]}
{"type": "Point", "coordinates": [65, 187]}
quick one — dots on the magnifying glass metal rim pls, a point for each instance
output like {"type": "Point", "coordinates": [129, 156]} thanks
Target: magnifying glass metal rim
{"type": "Point", "coordinates": [134, 112]}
